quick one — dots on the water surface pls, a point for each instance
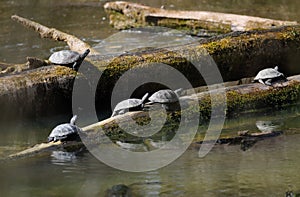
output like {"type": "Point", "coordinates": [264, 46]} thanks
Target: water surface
{"type": "Point", "coordinates": [269, 168]}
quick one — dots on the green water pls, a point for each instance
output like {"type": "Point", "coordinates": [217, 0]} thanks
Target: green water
{"type": "Point", "coordinates": [269, 168]}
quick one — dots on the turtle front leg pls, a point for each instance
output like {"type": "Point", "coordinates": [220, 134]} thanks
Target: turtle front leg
{"type": "Point", "coordinates": [261, 81]}
{"type": "Point", "coordinates": [268, 82]}
{"type": "Point", "coordinates": [122, 112]}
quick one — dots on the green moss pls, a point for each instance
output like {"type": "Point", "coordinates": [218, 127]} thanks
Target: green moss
{"type": "Point", "coordinates": [274, 97]}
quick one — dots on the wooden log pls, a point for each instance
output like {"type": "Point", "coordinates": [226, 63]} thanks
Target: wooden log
{"type": "Point", "coordinates": [124, 15]}
{"type": "Point", "coordinates": [240, 99]}
{"type": "Point", "coordinates": [32, 63]}
{"type": "Point", "coordinates": [74, 43]}
{"type": "Point", "coordinates": [237, 55]}
{"type": "Point", "coordinates": [69, 146]}
{"type": "Point", "coordinates": [38, 92]}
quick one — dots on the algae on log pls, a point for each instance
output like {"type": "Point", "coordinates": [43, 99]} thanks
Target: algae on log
{"type": "Point", "coordinates": [124, 15]}
{"type": "Point", "coordinates": [237, 55]}
{"type": "Point", "coordinates": [239, 99]}
{"type": "Point", "coordinates": [249, 97]}
{"type": "Point", "coordinates": [37, 92]}
{"type": "Point", "coordinates": [32, 63]}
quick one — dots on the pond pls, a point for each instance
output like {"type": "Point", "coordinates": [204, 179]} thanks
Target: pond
{"type": "Point", "coordinates": [269, 168]}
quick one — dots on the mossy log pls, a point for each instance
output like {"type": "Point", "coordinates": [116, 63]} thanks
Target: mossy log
{"type": "Point", "coordinates": [237, 55]}
{"type": "Point", "coordinates": [243, 98]}
{"type": "Point", "coordinates": [124, 15]}
{"type": "Point", "coordinates": [32, 63]}
{"type": "Point", "coordinates": [38, 92]}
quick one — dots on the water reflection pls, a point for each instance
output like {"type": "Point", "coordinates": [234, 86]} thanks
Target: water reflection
{"type": "Point", "coordinates": [267, 126]}
{"type": "Point", "coordinates": [62, 157]}
{"type": "Point", "coordinates": [142, 38]}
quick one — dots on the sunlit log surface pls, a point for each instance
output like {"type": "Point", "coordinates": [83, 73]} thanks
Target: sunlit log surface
{"type": "Point", "coordinates": [124, 15]}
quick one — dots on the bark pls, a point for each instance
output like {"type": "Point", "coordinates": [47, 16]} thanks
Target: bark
{"type": "Point", "coordinates": [74, 43]}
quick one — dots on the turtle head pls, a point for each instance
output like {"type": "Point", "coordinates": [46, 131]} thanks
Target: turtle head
{"type": "Point", "coordinates": [179, 92]}
{"type": "Point", "coordinates": [276, 67]}
{"type": "Point", "coordinates": [145, 97]}
{"type": "Point", "coordinates": [73, 120]}
{"type": "Point", "coordinates": [82, 56]}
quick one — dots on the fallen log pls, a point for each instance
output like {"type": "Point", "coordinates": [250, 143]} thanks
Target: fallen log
{"type": "Point", "coordinates": [32, 63]}
{"type": "Point", "coordinates": [237, 55]}
{"type": "Point", "coordinates": [70, 146]}
{"type": "Point", "coordinates": [124, 15]}
{"type": "Point", "coordinates": [240, 99]}
{"type": "Point", "coordinates": [38, 92]}
{"type": "Point", "coordinates": [74, 43]}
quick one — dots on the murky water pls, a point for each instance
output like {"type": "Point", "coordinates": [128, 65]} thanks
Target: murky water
{"type": "Point", "coordinates": [269, 168]}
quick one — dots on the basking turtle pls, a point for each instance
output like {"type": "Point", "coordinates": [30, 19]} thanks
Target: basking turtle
{"type": "Point", "coordinates": [168, 98]}
{"type": "Point", "coordinates": [133, 104]}
{"type": "Point", "coordinates": [63, 132]}
{"type": "Point", "coordinates": [68, 58]}
{"type": "Point", "coordinates": [269, 75]}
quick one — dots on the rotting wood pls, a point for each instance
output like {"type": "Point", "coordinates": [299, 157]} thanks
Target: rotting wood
{"type": "Point", "coordinates": [124, 15]}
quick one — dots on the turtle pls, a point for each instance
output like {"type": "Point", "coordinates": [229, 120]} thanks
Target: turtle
{"type": "Point", "coordinates": [133, 104]}
{"type": "Point", "coordinates": [68, 58]}
{"type": "Point", "coordinates": [66, 131]}
{"type": "Point", "coordinates": [269, 75]}
{"type": "Point", "coordinates": [167, 97]}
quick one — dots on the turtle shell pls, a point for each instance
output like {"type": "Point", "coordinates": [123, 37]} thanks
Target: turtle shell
{"type": "Point", "coordinates": [62, 131]}
{"type": "Point", "coordinates": [64, 57]}
{"type": "Point", "coordinates": [164, 96]}
{"type": "Point", "coordinates": [268, 73]}
{"type": "Point", "coordinates": [127, 104]}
